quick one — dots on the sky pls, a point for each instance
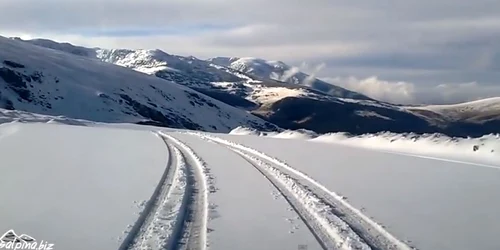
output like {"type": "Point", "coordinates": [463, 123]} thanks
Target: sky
{"type": "Point", "coordinates": [404, 51]}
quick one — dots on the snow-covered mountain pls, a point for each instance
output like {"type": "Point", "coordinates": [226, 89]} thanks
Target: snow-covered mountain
{"type": "Point", "coordinates": [282, 95]}
{"type": "Point", "coordinates": [66, 47]}
{"type": "Point", "coordinates": [153, 61]}
{"type": "Point", "coordinates": [285, 104]}
{"type": "Point", "coordinates": [279, 71]}
{"type": "Point", "coordinates": [196, 73]}
{"type": "Point", "coordinates": [476, 111]}
{"type": "Point", "coordinates": [474, 118]}
{"type": "Point", "coordinates": [48, 81]}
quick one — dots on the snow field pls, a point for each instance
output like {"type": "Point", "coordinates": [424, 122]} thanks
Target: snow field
{"type": "Point", "coordinates": [134, 187]}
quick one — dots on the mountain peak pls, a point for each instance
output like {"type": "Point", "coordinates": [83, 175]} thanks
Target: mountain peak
{"type": "Point", "coordinates": [223, 61]}
{"type": "Point", "coordinates": [280, 71]}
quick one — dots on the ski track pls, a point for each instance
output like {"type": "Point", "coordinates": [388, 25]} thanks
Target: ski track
{"type": "Point", "coordinates": [194, 228]}
{"type": "Point", "coordinates": [371, 235]}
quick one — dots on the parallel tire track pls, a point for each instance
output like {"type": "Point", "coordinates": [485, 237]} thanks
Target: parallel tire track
{"type": "Point", "coordinates": [307, 216]}
{"type": "Point", "coordinates": [175, 217]}
{"type": "Point", "coordinates": [167, 199]}
{"type": "Point", "coordinates": [194, 226]}
{"type": "Point", "coordinates": [371, 233]}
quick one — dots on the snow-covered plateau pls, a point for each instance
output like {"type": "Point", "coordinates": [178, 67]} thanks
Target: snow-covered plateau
{"type": "Point", "coordinates": [87, 185]}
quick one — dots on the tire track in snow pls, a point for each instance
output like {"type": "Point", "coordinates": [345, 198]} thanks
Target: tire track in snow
{"type": "Point", "coordinates": [368, 230]}
{"type": "Point", "coordinates": [331, 232]}
{"type": "Point", "coordinates": [158, 225]}
{"type": "Point", "coordinates": [194, 226]}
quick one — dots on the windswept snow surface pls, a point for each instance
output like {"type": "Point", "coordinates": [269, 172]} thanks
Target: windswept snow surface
{"type": "Point", "coordinates": [143, 187]}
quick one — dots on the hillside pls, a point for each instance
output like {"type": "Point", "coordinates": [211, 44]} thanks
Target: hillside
{"type": "Point", "coordinates": [280, 94]}
{"type": "Point", "coordinates": [474, 118]}
{"type": "Point", "coordinates": [48, 81]}
{"type": "Point", "coordinates": [279, 71]}
{"type": "Point", "coordinates": [475, 111]}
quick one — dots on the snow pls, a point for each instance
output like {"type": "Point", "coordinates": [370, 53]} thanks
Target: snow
{"type": "Point", "coordinates": [125, 186]}
{"type": "Point", "coordinates": [202, 73]}
{"type": "Point", "coordinates": [258, 66]}
{"type": "Point", "coordinates": [260, 81]}
{"type": "Point", "coordinates": [146, 61]}
{"type": "Point", "coordinates": [76, 187]}
{"type": "Point", "coordinates": [294, 134]}
{"type": "Point", "coordinates": [281, 72]}
{"type": "Point", "coordinates": [461, 110]}
{"type": "Point", "coordinates": [52, 82]}
{"type": "Point", "coordinates": [247, 207]}
{"type": "Point", "coordinates": [431, 203]}
{"type": "Point", "coordinates": [484, 150]}
{"type": "Point", "coordinates": [272, 94]}
{"type": "Point", "coordinates": [12, 116]}
{"type": "Point", "coordinates": [371, 114]}
{"type": "Point", "coordinates": [73, 179]}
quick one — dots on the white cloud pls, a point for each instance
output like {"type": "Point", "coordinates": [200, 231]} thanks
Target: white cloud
{"type": "Point", "coordinates": [394, 92]}
{"type": "Point", "coordinates": [410, 93]}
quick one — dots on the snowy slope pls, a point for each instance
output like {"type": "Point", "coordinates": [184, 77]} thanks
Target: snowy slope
{"type": "Point", "coordinates": [252, 192]}
{"type": "Point", "coordinates": [9, 116]}
{"type": "Point", "coordinates": [206, 76]}
{"type": "Point", "coordinates": [475, 111]}
{"type": "Point", "coordinates": [282, 95]}
{"type": "Point", "coordinates": [265, 96]}
{"type": "Point", "coordinates": [256, 74]}
{"type": "Point", "coordinates": [279, 71]}
{"type": "Point", "coordinates": [66, 47]}
{"type": "Point", "coordinates": [47, 81]}
{"type": "Point", "coordinates": [153, 61]}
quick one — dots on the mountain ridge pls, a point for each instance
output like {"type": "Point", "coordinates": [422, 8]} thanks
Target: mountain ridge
{"type": "Point", "coordinates": [53, 82]}
{"type": "Point", "coordinates": [275, 92]}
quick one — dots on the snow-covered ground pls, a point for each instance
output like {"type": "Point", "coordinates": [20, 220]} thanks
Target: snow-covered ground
{"type": "Point", "coordinates": [125, 186]}
{"type": "Point", "coordinates": [77, 187]}
{"type": "Point", "coordinates": [483, 150]}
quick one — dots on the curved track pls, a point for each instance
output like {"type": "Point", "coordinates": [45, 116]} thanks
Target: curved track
{"type": "Point", "coordinates": [346, 227]}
